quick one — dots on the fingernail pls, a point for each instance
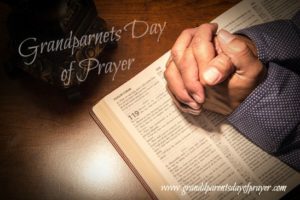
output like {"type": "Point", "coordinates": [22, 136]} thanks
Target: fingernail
{"type": "Point", "coordinates": [197, 98]}
{"type": "Point", "coordinates": [195, 112]}
{"type": "Point", "coordinates": [212, 75]}
{"type": "Point", "coordinates": [225, 36]}
{"type": "Point", "coordinates": [193, 105]}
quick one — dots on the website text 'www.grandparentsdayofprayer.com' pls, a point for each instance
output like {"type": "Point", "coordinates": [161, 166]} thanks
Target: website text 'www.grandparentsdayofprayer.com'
{"type": "Point", "coordinates": [239, 189]}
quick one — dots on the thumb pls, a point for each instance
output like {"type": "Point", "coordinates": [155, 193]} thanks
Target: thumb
{"type": "Point", "coordinates": [243, 59]}
{"type": "Point", "coordinates": [217, 70]}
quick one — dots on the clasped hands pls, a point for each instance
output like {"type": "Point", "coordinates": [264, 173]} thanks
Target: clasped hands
{"type": "Point", "coordinates": [214, 72]}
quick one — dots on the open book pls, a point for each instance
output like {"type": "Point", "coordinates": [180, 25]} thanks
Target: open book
{"type": "Point", "coordinates": [179, 156]}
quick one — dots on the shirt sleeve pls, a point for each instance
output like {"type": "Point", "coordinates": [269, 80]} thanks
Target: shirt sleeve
{"type": "Point", "coordinates": [277, 41]}
{"type": "Point", "coordinates": [270, 115]}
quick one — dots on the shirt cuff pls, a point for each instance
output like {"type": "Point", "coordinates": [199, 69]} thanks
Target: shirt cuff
{"type": "Point", "coordinates": [272, 111]}
{"type": "Point", "coordinates": [277, 41]}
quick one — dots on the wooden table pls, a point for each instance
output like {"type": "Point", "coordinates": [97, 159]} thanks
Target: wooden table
{"type": "Point", "coordinates": [51, 148]}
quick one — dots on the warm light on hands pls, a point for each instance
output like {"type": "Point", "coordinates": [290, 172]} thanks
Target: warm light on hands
{"type": "Point", "coordinates": [212, 72]}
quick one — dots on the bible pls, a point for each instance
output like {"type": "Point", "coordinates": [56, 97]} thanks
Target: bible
{"type": "Point", "coordinates": [180, 156]}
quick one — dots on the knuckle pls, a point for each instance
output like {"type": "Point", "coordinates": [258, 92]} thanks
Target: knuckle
{"type": "Point", "coordinates": [204, 26]}
{"type": "Point", "coordinates": [169, 74]}
{"type": "Point", "coordinates": [240, 46]}
{"type": "Point", "coordinates": [243, 46]}
{"type": "Point", "coordinates": [196, 43]}
{"type": "Point", "coordinates": [186, 31]}
{"type": "Point", "coordinates": [223, 61]}
{"type": "Point", "coordinates": [175, 53]}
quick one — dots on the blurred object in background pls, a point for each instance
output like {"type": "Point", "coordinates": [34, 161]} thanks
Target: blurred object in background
{"type": "Point", "coordinates": [54, 20]}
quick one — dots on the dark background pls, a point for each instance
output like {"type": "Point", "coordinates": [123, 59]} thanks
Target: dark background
{"type": "Point", "coordinates": [51, 148]}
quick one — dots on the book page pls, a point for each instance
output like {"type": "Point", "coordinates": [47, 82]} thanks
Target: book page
{"type": "Point", "coordinates": [252, 12]}
{"type": "Point", "coordinates": [188, 150]}
{"type": "Point", "coordinates": [194, 151]}
{"type": "Point", "coordinates": [181, 151]}
{"type": "Point", "coordinates": [267, 170]}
